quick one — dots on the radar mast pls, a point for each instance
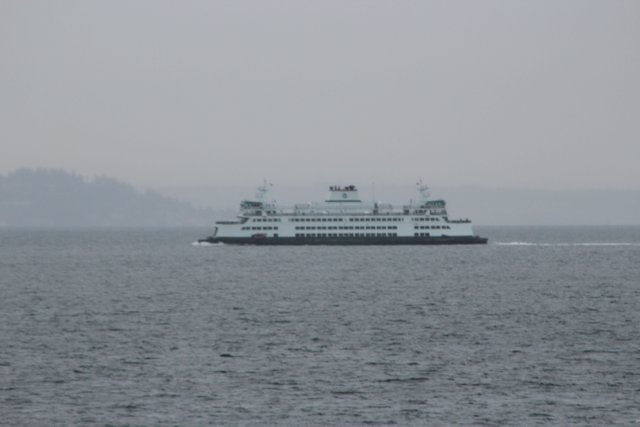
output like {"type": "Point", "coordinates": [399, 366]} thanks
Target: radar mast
{"type": "Point", "coordinates": [423, 189]}
{"type": "Point", "coordinates": [261, 191]}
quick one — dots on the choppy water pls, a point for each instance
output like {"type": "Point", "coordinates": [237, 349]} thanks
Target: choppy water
{"type": "Point", "coordinates": [140, 327]}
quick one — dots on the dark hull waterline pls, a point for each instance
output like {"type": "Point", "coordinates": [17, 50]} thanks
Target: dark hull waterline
{"type": "Point", "coordinates": [397, 240]}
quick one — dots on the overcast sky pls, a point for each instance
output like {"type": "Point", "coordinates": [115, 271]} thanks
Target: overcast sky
{"type": "Point", "coordinates": [516, 94]}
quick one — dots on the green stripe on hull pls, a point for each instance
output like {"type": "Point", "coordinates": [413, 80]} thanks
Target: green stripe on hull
{"type": "Point", "coordinates": [446, 240]}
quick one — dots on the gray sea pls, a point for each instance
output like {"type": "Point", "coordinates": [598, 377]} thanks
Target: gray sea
{"type": "Point", "coordinates": [143, 327]}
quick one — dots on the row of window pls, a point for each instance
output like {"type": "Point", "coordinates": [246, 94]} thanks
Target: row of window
{"type": "Point", "coordinates": [432, 211]}
{"type": "Point", "coordinates": [355, 219]}
{"type": "Point", "coordinates": [315, 219]}
{"type": "Point", "coordinates": [376, 218]}
{"type": "Point", "coordinates": [346, 234]}
{"type": "Point", "coordinates": [259, 228]}
{"type": "Point", "coordinates": [368, 227]}
{"type": "Point", "coordinates": [433, 227]}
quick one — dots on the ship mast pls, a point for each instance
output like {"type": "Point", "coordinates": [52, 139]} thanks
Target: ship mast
{"type": "Point", "coordinates": [261, 191]}
{"type": "Point", "coordinates": [423, 190]}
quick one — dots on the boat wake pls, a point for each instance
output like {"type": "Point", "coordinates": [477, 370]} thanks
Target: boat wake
{"type": "Point", "coordinates": [197, 243]}
{"type": "Point", "coordinates": [568, 244]}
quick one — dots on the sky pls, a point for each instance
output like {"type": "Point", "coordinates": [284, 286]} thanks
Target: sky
{"type": "Point", "coordinates": [538, 94]}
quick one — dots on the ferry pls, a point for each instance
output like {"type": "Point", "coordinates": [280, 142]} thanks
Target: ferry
{"type": "Point", "coordinates": [344, 219]}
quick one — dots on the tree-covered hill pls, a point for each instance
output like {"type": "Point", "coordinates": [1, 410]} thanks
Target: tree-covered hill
{"type": "Point", "coordinates": [46, 197]}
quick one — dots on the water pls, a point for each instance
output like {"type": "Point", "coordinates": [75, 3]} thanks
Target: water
{"type": "Point", "coordinates": [140, 327]}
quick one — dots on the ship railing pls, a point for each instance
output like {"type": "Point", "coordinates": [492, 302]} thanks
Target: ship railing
{"type": "Point", "coordinates": [231, 222]}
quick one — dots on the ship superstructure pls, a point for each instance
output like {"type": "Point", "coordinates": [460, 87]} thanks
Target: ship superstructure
{"type": "Point", "coordinates": [344, 219]}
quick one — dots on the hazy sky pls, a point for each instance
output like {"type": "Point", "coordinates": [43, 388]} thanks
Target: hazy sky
{"type": "Point", "coordinates": [531, 94]}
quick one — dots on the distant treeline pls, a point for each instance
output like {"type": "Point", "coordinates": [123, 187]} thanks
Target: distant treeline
{"type": "Point", "coordinates": [51, 197]}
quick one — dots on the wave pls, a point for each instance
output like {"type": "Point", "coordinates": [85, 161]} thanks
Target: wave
{"type": "Point", "coordinates": [567, 244]}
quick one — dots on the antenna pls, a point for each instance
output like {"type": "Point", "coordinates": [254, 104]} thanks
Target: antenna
{"type": "Point", "coordinates": [262, 190]}
{"type": "Point", "coordinates": [423, 190]}
{"type": "Point", "coordinates": [373, 192]}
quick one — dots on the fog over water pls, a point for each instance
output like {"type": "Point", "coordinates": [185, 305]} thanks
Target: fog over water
{"type": "Point", "coordinates": [480, 99]}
